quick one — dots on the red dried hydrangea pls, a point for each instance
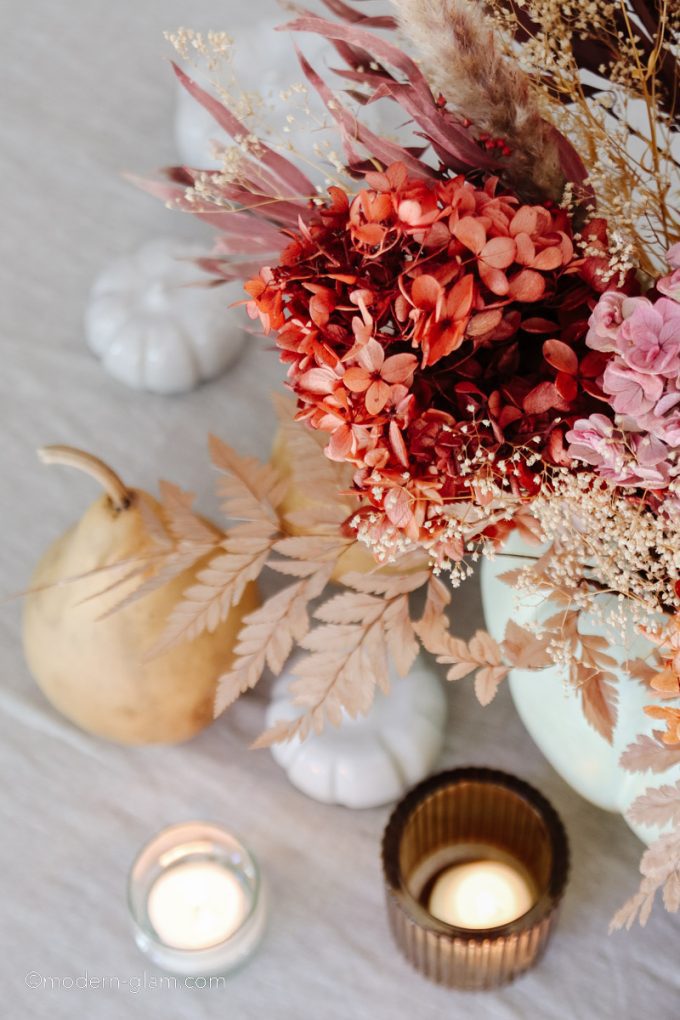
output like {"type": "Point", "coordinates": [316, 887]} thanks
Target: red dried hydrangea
{"type": "Point", "coordinates": [424, 319]}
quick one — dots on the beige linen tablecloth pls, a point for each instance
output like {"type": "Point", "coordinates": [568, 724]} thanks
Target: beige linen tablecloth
{"type": "Point", "coordinates": [88, 93]}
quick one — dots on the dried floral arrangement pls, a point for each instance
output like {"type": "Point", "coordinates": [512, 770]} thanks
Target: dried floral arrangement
{"type": "Point", "coordinates": [481, 323]}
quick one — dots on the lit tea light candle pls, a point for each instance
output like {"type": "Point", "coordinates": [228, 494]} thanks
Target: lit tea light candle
{"type": "Point", "coordinates": [197, 900]}
{"type": "Point", "coordinates": [196, 905]}
{"type": "Point", "coordinates": [480, 894]}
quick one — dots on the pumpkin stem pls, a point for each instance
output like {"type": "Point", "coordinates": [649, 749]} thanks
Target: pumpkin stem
{"type": "Point", "coordinates": [118, 493]}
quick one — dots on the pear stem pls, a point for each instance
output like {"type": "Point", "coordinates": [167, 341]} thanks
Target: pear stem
{"type": "Point", "coordinates": [118, 493]}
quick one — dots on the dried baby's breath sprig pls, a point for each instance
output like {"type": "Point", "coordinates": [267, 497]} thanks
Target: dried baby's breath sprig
{"type": "Point", "coordinates": [607, 73]}
{"type": "Point", "coordinates": [629, 548]}
{"type": "Point", "coordinates": [212, 47]}
{"type": "Point", "coordinates": [267, 117]}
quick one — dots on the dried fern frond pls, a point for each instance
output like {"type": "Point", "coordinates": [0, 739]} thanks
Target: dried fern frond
{"type": "Point", "coordinates": [218, 587]}
{"type": "Point", "coordinates": [660, 868]}
{"type": "Point", "coordinates": [268, 634]}
{"type": "Point", "coordinates": [464, 58]}
{"type": "Point", "coordinates": [482, 655]}
{"type": "Point", "coordinates": [649, 754]}
{"type": "Point", "coordinates": [348, 654]}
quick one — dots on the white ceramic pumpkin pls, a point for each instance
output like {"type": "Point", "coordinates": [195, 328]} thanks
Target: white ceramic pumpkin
{"type": "Point", "coordinates": [551, 710]}
{"type": "Point", "coordinates": [371, 760]}
{"type": "Point", "coordinates": [155, 331]}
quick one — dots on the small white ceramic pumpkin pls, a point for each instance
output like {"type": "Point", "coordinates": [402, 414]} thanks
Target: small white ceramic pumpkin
{"type": "Point", "coordinates": [155, 331]}
{"type": "Point", "coordinates": [371, 760]}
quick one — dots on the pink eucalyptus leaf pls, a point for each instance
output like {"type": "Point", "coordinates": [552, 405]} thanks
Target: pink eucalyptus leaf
{"type": "Point", "coordinates": [374, 44]}
{"type": "Point", "coordinates": [377, 395]}
{"type": "Point", "coordinates": [498, 253]}
{"type": "Point", "coordinates": [451, 140]}
{"type": "Point", "coordinates": [447, 133]}
{"type": "Point", "coordinates": [527, 285]}
{"type": "Point", "coordinates": [397, 443]}
{"type": "Point", "coordinates": [549, 258]}
{"type": "Point", "coordinates": [372, 356]}
{"type": "Point", "coordinates": [352, 131]}
{"type": "Point", "coordinates": [541, 398]}
{"type": "Point", "coordinates": [399, 368]}
{"type": "Point", "coordinates": [356, 379]}
{"type": "Point", "coordinates": [495, 279]}
{"type": "Point", "coordinates": [525, 221]}
{"type": "Point", "coordinates": [526, 249]}
{"type": "Point", "coordinates": [470, 232]}
{"type": "Point", "coordinates": [572, 165]}
{"type": "Point", "coordinates": [425, 292]}
{"type": "Point", "coordinates": [560, 356]}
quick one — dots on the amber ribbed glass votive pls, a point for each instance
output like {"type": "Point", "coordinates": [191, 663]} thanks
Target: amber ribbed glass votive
{"type": "Point", "coordinates": [465, 833]}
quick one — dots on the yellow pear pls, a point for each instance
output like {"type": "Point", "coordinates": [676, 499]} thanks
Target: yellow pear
{"type": "Point", "coordinates": [94, 667]}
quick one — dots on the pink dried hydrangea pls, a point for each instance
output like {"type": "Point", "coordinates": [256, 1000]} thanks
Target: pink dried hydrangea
{"type": "Point", "coordinates": [596, 441]}
{"type": "Point", "coordinates": [630, 392]}
{"type": "Point", "coordinates": [606, 320]}
{"type": "Point", "coordinates": [641, 382]}
{"type": "Point", "coordinates": [633, 459]}
{"type": "Point", "coordinates": [649, 338]}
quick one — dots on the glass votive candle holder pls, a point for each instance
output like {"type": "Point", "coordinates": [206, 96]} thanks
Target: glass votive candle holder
{"type": "Point", "coordinates": [475, 863]}
{"type": "Point", "coordinates": [197, 900]}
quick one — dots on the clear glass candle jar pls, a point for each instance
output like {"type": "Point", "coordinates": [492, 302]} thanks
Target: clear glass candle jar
{"type": "Point", "coordinates": [197, 900]}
